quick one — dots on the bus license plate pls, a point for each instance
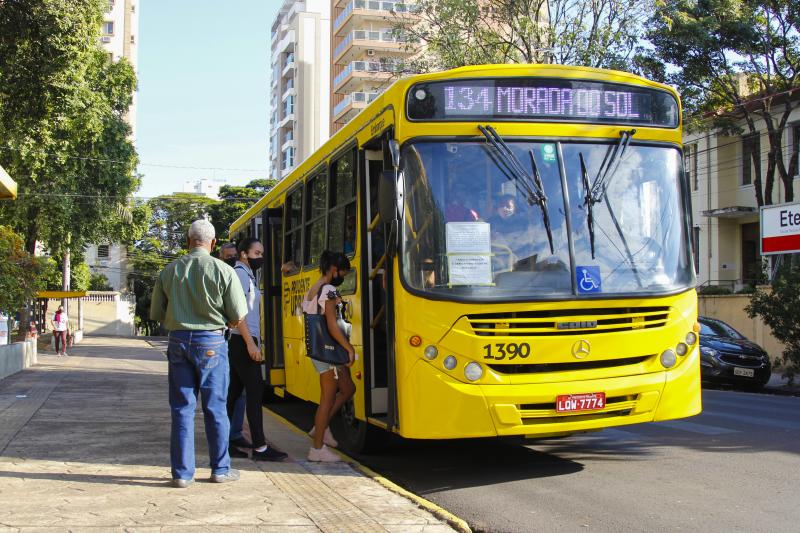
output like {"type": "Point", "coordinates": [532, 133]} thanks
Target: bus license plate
{"type": "Point", "coordinates": [744, 372]}
{"type": "Point", "coordinates": [570, 403]}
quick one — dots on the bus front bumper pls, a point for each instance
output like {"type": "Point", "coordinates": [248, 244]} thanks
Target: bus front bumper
{"type": "Point", "coordinates": [446, 408]}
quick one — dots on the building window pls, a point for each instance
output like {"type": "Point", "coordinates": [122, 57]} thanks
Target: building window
{"type": "Point", "coordinates": [108, 28]}
{"type": "Point", "coordinates": [288, 106]}
{"type": "Point", "coordinates": [102, 251]}
{"type": "Point", "coordinates": [292, 242]}
{"type": "Point", "coordinates": [287, 161]}
{"type": "Point", "coordinates": [316, 208]}
{"type": "Point", "coordinates": [133, 39]}
{"type": "Point", "coordinates": [696, 249]}
{"type": "Point", "coordinates": [751, 157]}
{"type": "Point", "coordinates": [342, 216]}
{"type": "Point", "coordinates": [690, 165]}
{"type": "Point", "coordinates": [110, 6]}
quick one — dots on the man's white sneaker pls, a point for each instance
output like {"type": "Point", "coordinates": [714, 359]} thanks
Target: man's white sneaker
{"type": "Point", "coordinates": [327, 438]}
{"type": "Point", "coordinates": [323, 455]}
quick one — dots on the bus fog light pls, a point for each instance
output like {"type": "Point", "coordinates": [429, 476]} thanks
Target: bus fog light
{"type": "Point", "coordinates": [450, 362]}
{"type": "Point", "coordinates": [431, 352]}
{"type": "Point", "coordinates": [691, 338]}
{"type": "Point", "coordinates": [668, 359]}
{"type": "Point", "coordinates": [681, 349]}
{"type": "Point", "coordinates": [473, 371]}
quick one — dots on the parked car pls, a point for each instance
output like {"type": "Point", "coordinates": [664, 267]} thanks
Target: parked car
{"type": "Point", "coordinates": [727, 356]}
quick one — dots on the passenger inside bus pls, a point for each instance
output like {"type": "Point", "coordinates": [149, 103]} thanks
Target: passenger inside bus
{"type": "Point", "coordinates": [460, 208]}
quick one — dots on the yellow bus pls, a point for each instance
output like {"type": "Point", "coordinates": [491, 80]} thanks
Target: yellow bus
{"type": "Point", "coordinates": [521, 251]}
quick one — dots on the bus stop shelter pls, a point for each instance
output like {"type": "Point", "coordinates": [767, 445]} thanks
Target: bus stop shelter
{"type": "Point", "coordinates": [48, 301]}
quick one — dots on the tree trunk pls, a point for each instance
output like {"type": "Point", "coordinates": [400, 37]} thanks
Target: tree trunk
{"type": "Point", "coordinates": [65, 274]}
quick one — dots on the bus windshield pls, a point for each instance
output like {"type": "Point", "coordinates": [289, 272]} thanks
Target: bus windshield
{"type": "Point", "coordinates": [476, 220]}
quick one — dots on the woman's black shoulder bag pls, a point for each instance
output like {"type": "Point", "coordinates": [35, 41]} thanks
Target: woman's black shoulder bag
{"type": "Point", "coordinates": [320, 346]}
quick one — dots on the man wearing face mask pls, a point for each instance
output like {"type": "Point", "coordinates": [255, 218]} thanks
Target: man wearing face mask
{"type": "Point", "coordinates": [245, 354]}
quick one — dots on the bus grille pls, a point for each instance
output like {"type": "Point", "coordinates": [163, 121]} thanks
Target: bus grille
{"type": "Point", "coordinates": [752, 361]}
{"type": "Point", "coordinates": [565, 367]}
{"type": "Point", "coordinates": [532, 414]}
{"type": "Point", "coordinates": [568, 321]}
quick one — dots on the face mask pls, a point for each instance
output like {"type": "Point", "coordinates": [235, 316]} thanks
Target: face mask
{"type": "Point", "coordinates": [255, 263]}
{"type": "Point", "coordinates": [338, 280]}
{"type": "Point", "coordinates": [231, 261]}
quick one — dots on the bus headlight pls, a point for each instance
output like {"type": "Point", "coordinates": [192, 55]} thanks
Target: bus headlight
{"type": "Point", "coordinates": [450, 362]}
{"type": "Point", "coordinates": [473, 371]}
{"type": "Point", "coordinates": [668, 358]}
{"type": "Point", "coordinates": [431, 352]}
{"type": "Point", "coordinates": [681, 349]}
{"type": "Point", "coordinates": [691, 338]}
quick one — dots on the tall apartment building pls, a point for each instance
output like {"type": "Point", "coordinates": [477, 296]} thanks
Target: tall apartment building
{"type": "Point", "coordinates": [120, 38]}
{"type": "Point", "coordinates": [204, 186]}
{"type": "Point", "coordinates": [367, 53]}
{"type": "Point", "coordinates": [299, 92]}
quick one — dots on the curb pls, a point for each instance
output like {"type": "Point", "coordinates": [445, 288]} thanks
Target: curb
{"type": "Point", "coordinates": [441, 513]}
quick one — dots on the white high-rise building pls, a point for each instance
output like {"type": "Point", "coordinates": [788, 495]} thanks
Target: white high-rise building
{"type": "Point", "coordinates": [120, 38]}
{"type": "Point", "coordinates": [300, 89]}
{"type": "Point", "coordinates": [206, 187]}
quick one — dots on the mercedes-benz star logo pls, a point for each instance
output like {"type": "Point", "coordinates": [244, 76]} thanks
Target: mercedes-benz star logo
{"type": "Point", "coordinates": [581, 349]}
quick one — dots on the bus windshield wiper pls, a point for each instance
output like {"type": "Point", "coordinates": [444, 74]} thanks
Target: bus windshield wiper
{"type": "Point", "coordinates": [596, 192]}
{"type": "Point", "coordinates": [531, 184]}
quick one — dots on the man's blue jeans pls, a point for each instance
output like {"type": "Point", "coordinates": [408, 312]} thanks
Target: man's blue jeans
{"type": "Point", "coordinates": [198, 362]}
{"type": "Point", "coordinates": [238, 418]}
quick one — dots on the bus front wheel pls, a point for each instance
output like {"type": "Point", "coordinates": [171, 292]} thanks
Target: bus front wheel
{"type": "Point", "coordinates": [357, 436]}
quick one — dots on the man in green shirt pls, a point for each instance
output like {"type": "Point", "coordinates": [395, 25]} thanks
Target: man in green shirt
{"type": "Point", "coordinates": [196, 297]}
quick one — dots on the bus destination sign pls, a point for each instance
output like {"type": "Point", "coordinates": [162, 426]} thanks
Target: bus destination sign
{"type": "Point", "coordinates": [542, 99]}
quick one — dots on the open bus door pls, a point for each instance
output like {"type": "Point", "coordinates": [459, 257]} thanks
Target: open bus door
{"type": "Point", "coordinates": [272, 224]}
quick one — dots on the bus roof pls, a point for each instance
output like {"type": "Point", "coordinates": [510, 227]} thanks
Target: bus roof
{"type": "Point", "coordinates": [394, 96]}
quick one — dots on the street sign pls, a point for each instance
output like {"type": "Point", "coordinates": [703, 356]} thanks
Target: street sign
{"type": "Point", "coordinates": [780, 229]}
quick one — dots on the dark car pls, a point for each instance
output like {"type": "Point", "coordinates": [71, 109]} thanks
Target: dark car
{"type": "Point", "coordinates": [727, 356]}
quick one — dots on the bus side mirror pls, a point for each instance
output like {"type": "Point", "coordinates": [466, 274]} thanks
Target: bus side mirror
{"type": "Point", "coordinates": [387, 196]}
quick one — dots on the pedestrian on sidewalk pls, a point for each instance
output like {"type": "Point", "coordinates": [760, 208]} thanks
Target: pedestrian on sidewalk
{"type": "Point", "coordinates": [228, 254]}
{"type": "Point", "coordinates": [336, 385]}
{"type": "Point", "coordinates": [195, 298]}
{"type": "Point", "coordinates": [245, 353]}
{"type": "Point", "coordinates": [60, 325]}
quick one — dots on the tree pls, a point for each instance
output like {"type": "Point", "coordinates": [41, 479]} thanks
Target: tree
{"type": "Point", "coordinates": [736, 60]}
{"type": "Point", "coordinates": [455, 33]}
{"type": "Point", "coordinates": [52, 272]}
{"type": "Point", "coordinates": [98, 282]}
{"type": "Point", "coordinates": [20, 273]}
{"type": "Point", "coordinates": [234, 201]}
{"type": "Point", "coordinates": [170, 218]}
{"type": "Point", "coordinates": [63, 134]}
{"type": "Point", "coordinates": [146, 267]}
{"type": "Point", "coordinates": [780, 310]}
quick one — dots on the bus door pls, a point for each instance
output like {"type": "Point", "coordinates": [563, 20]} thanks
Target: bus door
{"type": "Point", "coordinates": [378, 340]}
{"type": "Point", "coordinates": [273, 320]}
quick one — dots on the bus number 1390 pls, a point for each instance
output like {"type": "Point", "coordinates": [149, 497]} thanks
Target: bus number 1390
{"type": "Point", "coordinates": [501, 351]}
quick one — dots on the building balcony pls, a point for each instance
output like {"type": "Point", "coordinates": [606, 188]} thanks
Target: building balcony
{"type": "Point", "coordinates": [358, 72]}
{"type": "Point", "coordinates": [288, 143]}
{"type": "Point", "coordinates": [367, 43]}
{"type": "Point", "coordinates": [288, 68]}
{"type": "Point", "coordinates": [357, 11]}
{"type": "Point", "coordinates": [286, 120]}
{"type": "Point", "coordinates": [290, 91]}
{"type": "Point", "coordinates": [352, 104]}
{"type": "Point", "coordinates": [287, 43]}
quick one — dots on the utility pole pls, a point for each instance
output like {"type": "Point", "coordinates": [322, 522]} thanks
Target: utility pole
{"type": "Point", "coordinates": [65, 274]}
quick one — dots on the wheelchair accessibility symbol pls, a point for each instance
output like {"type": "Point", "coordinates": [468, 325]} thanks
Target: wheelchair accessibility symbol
{"type": "Point", "coordinates": [588, 278]}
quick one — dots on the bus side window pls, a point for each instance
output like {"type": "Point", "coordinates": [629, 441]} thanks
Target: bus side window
{"type": "Point", "coordinates": [293, 256]}
{"type": "Point", "coordinates": [342, 216]}
{"type": "Point", "coordinates": [315, 220]}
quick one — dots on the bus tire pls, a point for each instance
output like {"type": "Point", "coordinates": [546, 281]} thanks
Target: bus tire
{"type": "Point", "coordinates": [357, 436]}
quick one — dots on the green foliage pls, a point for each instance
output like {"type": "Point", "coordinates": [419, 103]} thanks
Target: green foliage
{"type": "Point", "coordinates": [98, 282]}
{"type": "Point", "coordinates": [20, 272]}
{"type": "Point", "coordinates": [234, 201]}
{"type": "Point", "coordinates": [726, 57]}
{"type": "Point", "coordinates": [603, 34]}
{"type": "Point", "coordinates": [170, 218]}
{"type": "Point", "coordinates": [779, 308]}
{"type": "Point", "coordinates": [63, 135]}
{"type": "Point", "coordinates": [52, 276]}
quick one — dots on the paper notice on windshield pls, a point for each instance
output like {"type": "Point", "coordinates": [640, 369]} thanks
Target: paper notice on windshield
{"type": "Point", "coordinates": [469, 253]}
{"type": "Point", "coordinates": [469, 238]}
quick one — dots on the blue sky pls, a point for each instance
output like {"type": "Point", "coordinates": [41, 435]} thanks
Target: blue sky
{"type": "Point", "coordinates": [203, 91]}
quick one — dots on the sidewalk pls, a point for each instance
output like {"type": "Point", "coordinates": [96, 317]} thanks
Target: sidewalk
{"type": "Point", "coordinates": [779, 384]}
{"type": "Point", "coordinates": [84, 446]}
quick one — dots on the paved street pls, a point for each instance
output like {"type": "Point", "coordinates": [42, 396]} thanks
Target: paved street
{"type": "Point", "coordinates": [733, 468]}
{"type": "Point", "coordinates": [84, 446]}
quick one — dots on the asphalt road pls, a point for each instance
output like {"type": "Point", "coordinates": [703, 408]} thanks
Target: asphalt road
{"type": "Point", "coordinates": [735, 467]}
